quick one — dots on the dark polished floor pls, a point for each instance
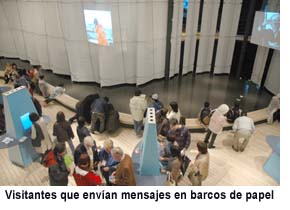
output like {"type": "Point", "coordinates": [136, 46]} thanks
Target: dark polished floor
{"type": "Point", "coordinates": [189, 92]}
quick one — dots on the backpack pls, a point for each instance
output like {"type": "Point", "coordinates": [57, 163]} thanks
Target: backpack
{"type": "Point", "coordinates": [47, 158]}
{"type": "Point", "coordinates": [233, 114]}
{"type": "Point", "coordinates": [205, 115]}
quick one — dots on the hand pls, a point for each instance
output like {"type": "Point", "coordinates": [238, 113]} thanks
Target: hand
{"type": "Point", "coordinates": [106, 169]}
{"type": "Point", "coordinates": [175, 144]}
{"type": "Point", "coordinates": [182, 152]}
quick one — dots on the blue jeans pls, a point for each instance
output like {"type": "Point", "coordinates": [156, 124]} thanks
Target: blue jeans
{"type": "Point", "coordinates": [138, 127]}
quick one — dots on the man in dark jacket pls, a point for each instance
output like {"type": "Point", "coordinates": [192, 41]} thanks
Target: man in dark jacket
{"type": "Point", "coordinates": [179, 137]}
{"type": "Point", "coordinates": [57, 170]}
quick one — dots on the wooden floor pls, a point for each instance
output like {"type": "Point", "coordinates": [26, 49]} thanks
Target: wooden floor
{"type": "Point", "coordinates": [227, 167]}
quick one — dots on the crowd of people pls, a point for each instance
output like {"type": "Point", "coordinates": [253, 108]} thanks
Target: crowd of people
{"type": "Point", "coordinates": [109, 165]}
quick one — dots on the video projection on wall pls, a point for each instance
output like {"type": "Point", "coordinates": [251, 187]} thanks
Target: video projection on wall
{"type": "Point", "coordinates": [266, 30]}
{"type": "Point", "coordinates": [99, 27]}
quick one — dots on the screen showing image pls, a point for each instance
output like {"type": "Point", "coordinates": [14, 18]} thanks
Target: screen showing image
{"type": "Point", "coordinates": [266, 30]}
{"type": "Point", "coordinates": [99, 27]}
{"type": "Point", "coordinates": [25, 121]}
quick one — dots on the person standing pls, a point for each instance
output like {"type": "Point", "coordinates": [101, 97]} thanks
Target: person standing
{"type": "Point", "coordinates": [156, 103]}
{"type": "Point", "coordinates": [198, 171]}
{"type": "Point", "coordinates": [98, 114]}
{"type": "Point", "coordinates": [63, 131]}
{"type": "Point", "coordinates": [217, 121]}
{"type": "Point", "coordinates": [40, 137]}
{"type": "Point", "coordinates": [82, 130]}
{"type": "Point", "coordinates": [244, 128]}
{"type": "Point", "coordinates": [57, 170]}
{"type": "Point", "coordinates": [43, 87]}
{"type": "Point", "coordinates": [138, 105]}
{"type": "Point", "coordinates": [124, 174]}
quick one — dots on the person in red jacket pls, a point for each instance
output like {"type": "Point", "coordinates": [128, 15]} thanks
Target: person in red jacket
{"type": "Point", "coordinates": [82, 174]}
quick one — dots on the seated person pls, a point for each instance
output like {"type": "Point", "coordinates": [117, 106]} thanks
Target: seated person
{"type": "Point", "coordinates": [57, 91]}
{"type": "Point", "coordinates": [108, 164]}
{"type": "Point", "coordinates": [165, 156]}
{"type": "Point", "coordinates": [82, 173]}
{"type": "Point", "coordinates": [204, 114]}
{"type": "Point", "coordinates": [234, 112]}
{"type": "Point", "coordinates": [274, 109]}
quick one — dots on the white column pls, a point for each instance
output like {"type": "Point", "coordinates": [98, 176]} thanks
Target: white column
{"type": "Point", "coordinates": [227, 35]}
{"type": "Point", "coordinates": [176, 37]}
{"type": "Point", "coordinates": [207, 34]}
{"type": "Point", "coordinates": [259, 65]}
{"type": "Point", "coordinates": [272, 82]}
{"type": "Point", "coordinates": [190, 39]}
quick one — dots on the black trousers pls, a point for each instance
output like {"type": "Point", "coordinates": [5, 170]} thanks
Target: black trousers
{"type": "Point", "coordinates": [213, 137]}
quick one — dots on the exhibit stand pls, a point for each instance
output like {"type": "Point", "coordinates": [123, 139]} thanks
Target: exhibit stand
{"type": "Point", "coordinates": [146, 156]}
{"type": "Point", "coordinates": [17, 107]}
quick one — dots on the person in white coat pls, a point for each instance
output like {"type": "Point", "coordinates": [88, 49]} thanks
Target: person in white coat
{"type": "Point", "coordinates": [273, 107]}
{"type": "Point", "coordinates": [216, 124]}
{"type": "Point", "coordinates": [40, 137]}
{"type": "Point", "coordinates": [138, 105]}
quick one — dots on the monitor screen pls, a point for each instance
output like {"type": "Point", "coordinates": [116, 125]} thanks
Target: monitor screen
{"type": "Point", "coordinates": [25, 121]}
{"type": "Point", "coordinates": [266, 30]}
{"type": "Point", "coordinates": [99, 27]}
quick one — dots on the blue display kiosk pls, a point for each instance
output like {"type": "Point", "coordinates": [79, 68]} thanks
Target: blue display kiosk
{"type": "Point", "coordinates": [17, 106]}
{"type": "Point", "coordinates": [146, 155]}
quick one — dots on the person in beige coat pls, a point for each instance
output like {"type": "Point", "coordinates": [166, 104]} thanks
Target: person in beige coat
{"type": "Point", "coordinates": [198, 171]}
{"type": "Point", "coordinates": [124, 174]}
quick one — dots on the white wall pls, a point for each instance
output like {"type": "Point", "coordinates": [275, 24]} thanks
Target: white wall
{"type": "Point", "coordinates": [52, 33]}
{"type": "Point", "coordinates": [272, 82]}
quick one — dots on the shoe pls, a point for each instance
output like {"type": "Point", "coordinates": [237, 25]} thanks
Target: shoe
{"type": "Point", "coordinates": [235, 148]}
{"type": "Point", "coordinates": [211, 147]}
{"type": "Point", "coordinates": [242, 150]}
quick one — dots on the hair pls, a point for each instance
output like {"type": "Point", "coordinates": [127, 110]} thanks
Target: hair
{"type": "Point", "coordinates": [81, 121]}
{"type": "Point", "coordinates": [88, 141]}
{"type": "Point", "coordinates": [33, 117]}
{"type": "Point", "coordinates": [202, 147]}
{"type": "Point", "coordinates": [137, 92]}
{"type": "Point", "coordinates": [173, 122]}
{"type": "Point", "coordinates": [59, 148]}
{"type": "Point", "coordinates": [84, 161]}
{"type": "Point", "coordinates": [237, 104]}
{"type": "Point", "coordinates": [163, 112]}
{"type": "Point", "coordinates": [13, 64]}
{"type": "Point", "coordinates": [174, 106]}
{"type": "Point", "coordinates": [96, 95]}
{"type": "Point", "coordinates": [106, 99]}
{"type": "Point", "coordinates": [117, 152]}
{"type": "Point", "coordinates": [206, 104]}
{"type": "Point", "coordinates": [108, 144]}
{"type": "Point", "coordinates": [1, 106]}
{"type": "Point", "coordinates": [60, 117]}
{"type": "Point", "coordinates": [41, 77]}
{"type": "Point", "coordinates": [244, 113]}
{"type": "Point", "coordinates": [182, 120]}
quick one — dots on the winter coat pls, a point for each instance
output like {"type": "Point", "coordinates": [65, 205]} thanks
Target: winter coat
{"type": "Point", "coordinates": [138, 105]}
{"type": "Point", "coordinates": [218, 120]}
{"type": "Point", "coordinates": [86, 178]}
